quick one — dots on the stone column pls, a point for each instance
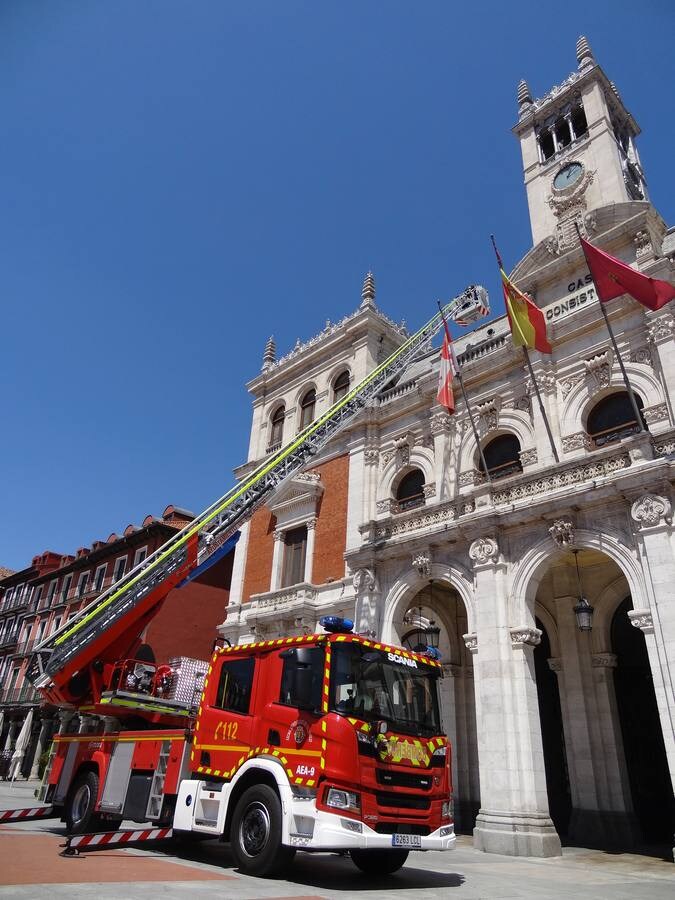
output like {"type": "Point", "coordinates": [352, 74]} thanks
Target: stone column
{"type": "Point", "coordinates": [277, 560]}
{"type": "Point", "coordinates": [449, 710]}
{"type": "Point", "coordinates": [87, 724]}
{"type": "Point", "coordinates": [514, 817]}
{"type": "Point", "coordinates": [366, 617]}
{"type": "Point", "coordinates": [652, 515]}
{"type": "Point", "coordinates": [445, 455]}
{"type": "Point", "coordinates": [11, 734]}
{"type": "Point", "coordinates": [66, 716]}
{"type": "Point", "coordinates": [41, 746]}
{"type": "Point", "coordinates": [309, 555]}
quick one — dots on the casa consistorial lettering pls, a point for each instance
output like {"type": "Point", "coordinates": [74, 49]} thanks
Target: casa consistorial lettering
{"type": "Point", "coordinates": [579, 293]}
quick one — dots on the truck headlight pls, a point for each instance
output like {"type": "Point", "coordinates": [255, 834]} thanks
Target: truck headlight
{"type": "Point", "coordinates": [340, 799]}
{"type": "Point", "coordinates": [441, 752]}
{"type": "Point", "coordinates": [448, 809]}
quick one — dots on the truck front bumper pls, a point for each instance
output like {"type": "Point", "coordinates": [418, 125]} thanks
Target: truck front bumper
{"type": "Point", "coordinates": [329, 831]}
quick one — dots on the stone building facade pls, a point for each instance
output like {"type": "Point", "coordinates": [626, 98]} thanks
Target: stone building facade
{"type": "Point", "coordinates": [557, 732]}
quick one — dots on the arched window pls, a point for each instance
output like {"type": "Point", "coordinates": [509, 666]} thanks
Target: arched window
{"type": "Point", "coordinates": [502, 456]}
{"type": "Point", "coordinates": [341, 386]}
{"type": "Point", "coordinates": [307, 405]}
{"type": "Point", "coordinates": [277, 433]}
{"type": "Point", "coordinates": [613, 418]}
{"type": "Point", "coordinates": [410, 491]}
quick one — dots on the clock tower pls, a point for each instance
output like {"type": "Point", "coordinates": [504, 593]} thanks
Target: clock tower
{"type": "Point", "coordinates": [579, 153]}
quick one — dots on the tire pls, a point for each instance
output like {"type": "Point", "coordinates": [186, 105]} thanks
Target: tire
{"type": "Point", "coordinates": [255, 833]}
{"type": "Point", "coordinates": [378, 862]}
{"type": "Point", "coordinates": [81, 803]}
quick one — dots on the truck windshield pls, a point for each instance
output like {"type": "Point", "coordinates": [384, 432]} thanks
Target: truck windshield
{"type": "Point", "coordinates": [375, 685]}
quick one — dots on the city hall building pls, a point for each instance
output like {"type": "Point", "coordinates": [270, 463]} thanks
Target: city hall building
{"type": "Point", "coordinates": [558, 731]}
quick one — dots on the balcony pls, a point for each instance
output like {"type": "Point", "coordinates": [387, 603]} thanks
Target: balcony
{"type": "Point", "coordinates": [9, 640]}
{"type": "Point", "coordinates": [21, 696]}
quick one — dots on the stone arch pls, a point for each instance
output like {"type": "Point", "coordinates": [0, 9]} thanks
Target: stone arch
{"type": "Point", "coordinates": [410, 583]}
{"type": "Point", "coordinates": [511, 421]}
{"type": "Point", "coordinates": [419, 458]}
{"type": "Point", "coordinates": [537, 560]}
{"type": "Point", "coordinates": [551, 627]}
{"type": "Point", "coordinates": [585, 395]}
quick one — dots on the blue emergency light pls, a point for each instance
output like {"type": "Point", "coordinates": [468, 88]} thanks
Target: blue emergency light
{"type": "Point", "coordinates": [336, 624]}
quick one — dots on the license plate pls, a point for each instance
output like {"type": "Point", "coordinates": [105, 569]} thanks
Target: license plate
{"type": "Point", "coordinates": [406, 840]}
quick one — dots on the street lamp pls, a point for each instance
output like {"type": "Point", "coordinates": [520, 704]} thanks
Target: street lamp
{"type": "Point", "coordinates": [583, 609]}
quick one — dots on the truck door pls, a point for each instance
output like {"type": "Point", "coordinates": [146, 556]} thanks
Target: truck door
{"type": "Point", "coordinates": [293, 690]}
{"type": "Point", "coordinates": [224, 729]}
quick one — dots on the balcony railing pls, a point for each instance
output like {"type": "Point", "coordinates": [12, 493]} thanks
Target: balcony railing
{"type": "Point", "coordinates": [9, 639]}
{"type": "Point", "coordinates": [21, 695]}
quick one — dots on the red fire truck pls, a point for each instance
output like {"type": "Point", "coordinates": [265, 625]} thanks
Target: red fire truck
{"type": "Point", "coordinates": [325, 742]}
{"type": "Point", "coordinates": [320, 742]}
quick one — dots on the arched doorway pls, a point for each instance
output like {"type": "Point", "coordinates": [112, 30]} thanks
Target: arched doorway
{"type": "Point", "coordinates": [439, 602]}
{"type": "Point", "coordinates": [645, 753]}
{"type": "Point", "coordinates": [552, 735]}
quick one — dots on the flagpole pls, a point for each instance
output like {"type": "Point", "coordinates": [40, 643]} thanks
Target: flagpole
{"type": "Point", "coordinates": [541, 405]}
{"type": "Point", "coordinates": [468, 408]}
{"type": "Point", "coordinates": [629, 389]}
{"type": "Point", "coordinates": [529, 366]}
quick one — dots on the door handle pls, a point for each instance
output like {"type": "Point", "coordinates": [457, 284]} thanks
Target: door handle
{"type": "Point", "coordinates": [273, 738]}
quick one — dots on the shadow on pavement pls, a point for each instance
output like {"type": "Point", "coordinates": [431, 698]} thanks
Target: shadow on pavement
{"type": "Point", "coordinates": [327, 871]}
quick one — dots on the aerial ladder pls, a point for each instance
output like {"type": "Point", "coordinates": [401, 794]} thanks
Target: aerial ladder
{"type": "Point", "coordinates": [74, 665]}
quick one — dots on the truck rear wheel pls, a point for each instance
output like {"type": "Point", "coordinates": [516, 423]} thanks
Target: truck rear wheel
{"type": "Point", "coordinates": [256, 833]}
{"type": "Point", "coordinates": [81, 803]}
{"type": "Point", "coordinates": [378, 862]}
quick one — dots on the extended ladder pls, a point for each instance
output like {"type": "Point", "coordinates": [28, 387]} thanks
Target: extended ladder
{"type": "Point", "coordinates": [210, 531]}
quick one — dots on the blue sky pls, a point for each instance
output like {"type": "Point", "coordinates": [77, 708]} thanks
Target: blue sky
{"type": "Point", "coordinates": [180, 179]}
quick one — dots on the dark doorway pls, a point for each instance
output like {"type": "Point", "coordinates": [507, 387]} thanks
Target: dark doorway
{"type": "Point", "coordinates": [643, 745]}
{"type": "Point", "coordinates": [552, 736]}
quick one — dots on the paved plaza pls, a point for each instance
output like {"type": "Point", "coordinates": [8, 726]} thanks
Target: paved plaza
{"type": "Point", "coordinates": [31, 868]}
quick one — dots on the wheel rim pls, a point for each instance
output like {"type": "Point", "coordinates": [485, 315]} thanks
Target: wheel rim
{"type": "Point", "coordinates": [254, 829]}
{"type": "Point", "coordinates": [81, 802]}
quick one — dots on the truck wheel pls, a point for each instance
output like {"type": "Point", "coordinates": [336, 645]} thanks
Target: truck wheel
{"type": "Point", "coordinates": [256, 833]}
{"type": "Point", "coordinates": [378, 862]}
{"type": "Point", "coordinates": [80, 805]}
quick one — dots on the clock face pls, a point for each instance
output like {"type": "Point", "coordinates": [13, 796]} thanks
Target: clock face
{"type": "Point", "coordinates": [568, 176]}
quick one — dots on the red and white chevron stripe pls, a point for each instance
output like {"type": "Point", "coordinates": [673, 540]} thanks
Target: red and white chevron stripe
{"type": "Point", "coordinates": [35, 812]}
{"type": "Point", "coordinates": [118, 837]}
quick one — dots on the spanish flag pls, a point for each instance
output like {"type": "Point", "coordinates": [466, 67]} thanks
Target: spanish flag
{"type": "Point", "coordinates": [528, 326]}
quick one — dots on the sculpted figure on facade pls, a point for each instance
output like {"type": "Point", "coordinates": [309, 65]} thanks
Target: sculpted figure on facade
{"type": "Point", "coordinates": [562, 533]}
{"type": "Point", "coordinates": [363, 580]}
{"type": "Point", "coordinates": [422, 562]}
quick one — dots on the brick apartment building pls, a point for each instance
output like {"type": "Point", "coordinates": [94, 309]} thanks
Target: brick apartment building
{"type": "Point", "coordinates": [37, 600]}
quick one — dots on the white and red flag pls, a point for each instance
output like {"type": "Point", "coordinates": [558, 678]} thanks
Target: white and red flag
{"type": "Point", "coordinates": [445, 395]}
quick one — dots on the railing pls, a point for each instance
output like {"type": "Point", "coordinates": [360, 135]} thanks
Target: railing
{"type": "Point", "coordinates": [17, 696]}
{"type": "Point", "coordinates": [9, 639]}
{"type": "Point", "coordinates": [272, 448]}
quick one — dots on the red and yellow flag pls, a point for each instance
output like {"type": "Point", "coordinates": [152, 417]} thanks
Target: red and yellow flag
{"type": "Point", "coordinates": [528, 326]}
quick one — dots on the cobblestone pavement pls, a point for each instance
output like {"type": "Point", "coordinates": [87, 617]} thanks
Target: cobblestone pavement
{"type": "Point", "coordinates": [31, 868]}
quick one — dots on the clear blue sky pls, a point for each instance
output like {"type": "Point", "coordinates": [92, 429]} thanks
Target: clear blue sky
{"type": "Point", "coordinates": [178, 180]}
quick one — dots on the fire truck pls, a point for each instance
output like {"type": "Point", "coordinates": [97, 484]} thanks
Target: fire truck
{"type": "Point", "coordinates": [321, 742]}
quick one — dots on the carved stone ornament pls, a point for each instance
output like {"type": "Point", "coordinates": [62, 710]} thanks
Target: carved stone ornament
{"type": "Point", "coordinates": [524, 404]}
{"type": "Point", "coordinates": [385, 506]}
{"type": "Point", "coordinates": [649, 510]}
{"type": "Point", "coordinates": [471, 642]}
{"type": "Point", "coordinates": [642, 619]}
{"type": "Point", "coordinates": [484, 550]}
{"type": "Point", "coordinates": [441, 423]}
{"type": "Point", "coordinates": [467, 479]}
{"type": "Point", "coordinates": [567, 385]}
{"type": "Point", "coordinates": [661, 329]}
{"type": "Point", "coordinates": [643, 356]}
{"type": "Point", "coordinates": [643, 244]}
{"type": "Point", "coordinates": [371, 456]}
{"type": "Point", "coordinates": [429, 490]}
{"type": "Point", "coordinates": [488, 414]}
{"type": "Point", "coordinates": [363, 580]}
{"type": "Point", "coordinates": [528, 457]}
{"type": "Point", "coordinates": [600, 368]}
{"type": "Point", "coordinates": [525, 636]}
{"type": "Point", "coordinates": [656, 413]}
{"type": "Point", "coordinates": [562, 533]}
{"type": "Point", "coordinates": [555, 664]}
{"type": "Point", "coordinates": [578, 441]}
{"type": "Point", "coordinates": [422, 563]}
{"type": "Point", "coordinates": [604, 660]}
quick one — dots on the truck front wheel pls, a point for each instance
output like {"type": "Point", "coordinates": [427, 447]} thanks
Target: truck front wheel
{"type": "Point", "coordinates": [378, 862]}
{"type": "Point", "coordinates": [81, 803]}
{"type": "Point", "coordinates": [256, 833]}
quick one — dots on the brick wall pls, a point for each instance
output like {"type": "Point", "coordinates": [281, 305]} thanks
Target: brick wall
{"type": "Point", "coordinates": [331, 525]}
{"type": "Point", "coordinates": [258, 574]}
{"type": "Point", "coordinates": [186, 624]}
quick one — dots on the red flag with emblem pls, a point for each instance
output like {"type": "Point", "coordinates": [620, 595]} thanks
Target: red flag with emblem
{"type": "Point", "coordinates": [613, 278]}
{"type": "Point", "coordinates": [445, 395]}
